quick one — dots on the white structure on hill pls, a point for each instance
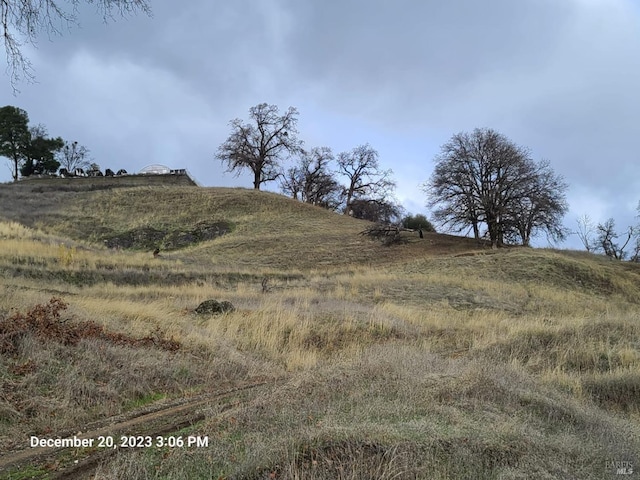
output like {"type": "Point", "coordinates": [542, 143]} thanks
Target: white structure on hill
{"type": "Point", "coordinates": [155, 169]}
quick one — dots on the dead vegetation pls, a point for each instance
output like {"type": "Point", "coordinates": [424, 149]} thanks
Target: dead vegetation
{"type": "Point", "coordinates": [44, 322]}
{"type": "Point", "coordinates": [387, 234]}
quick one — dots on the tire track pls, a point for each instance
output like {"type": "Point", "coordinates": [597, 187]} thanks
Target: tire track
{"type": "Point", "coordinates": [165, 420]}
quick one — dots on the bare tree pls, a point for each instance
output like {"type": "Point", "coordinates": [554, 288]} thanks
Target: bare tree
{"type": "Point", "coordinates": [635, 254]}
{"type": "Point", "coordinates": [366, 181]}
{"type": "Point", "coordinates": [311, 180]}
{"type": "Point", "coordinates": [454, 193]}
{"type": "Point", "coordinates": [292, 182]}
{"type": "Point", "coordinates": [73, 155]}
{"type": "Point", "coordinates": [261, 146]}
{"type": "Point", "coordinates": [483, 177]}
{"type": "Point", "coordinates": [606, 240]}
{"type": "Point", "coordinates": [538, 206]}
{"type": "Point", "coordinates": [23, 20]}
{"type": "Point", "coordinates": [586, 229]}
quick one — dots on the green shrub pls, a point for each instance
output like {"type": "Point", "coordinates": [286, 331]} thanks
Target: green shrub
{"type": "Point", "coordinates": [418, 221]}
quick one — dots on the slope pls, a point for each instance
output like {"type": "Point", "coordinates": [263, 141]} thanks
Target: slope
{"type": "Point", "coordinates": [221, 225]}
{"type": "Point", "coordinates": [435, 358]}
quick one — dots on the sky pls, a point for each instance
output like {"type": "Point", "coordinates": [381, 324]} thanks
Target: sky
{"type": "Point", "coordinates": [560, 77]}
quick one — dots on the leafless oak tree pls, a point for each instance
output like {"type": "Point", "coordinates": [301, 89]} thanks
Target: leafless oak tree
{"type": "Point", "coordinates": [538, 206]}
{"type": "Point", "coordinates": [365, 179]}
{"type": "Point", "coordinates": [312, 181]}
{"type": "Point", "coordinates": [22, 20]}
{"type": "Point", "coordinates": [606, 240]}
{"type": "Point", "coordinates": [260, 146]}
{"type": "Point", "coordinates": [482, 177]}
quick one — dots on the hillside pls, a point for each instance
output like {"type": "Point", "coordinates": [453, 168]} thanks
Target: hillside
{"type": "Point", "coordinates": [250, 228]}
{"type": "Point", "coordinates": [434, 358]}
{"type": "Point", "coordinates": [254, 231]}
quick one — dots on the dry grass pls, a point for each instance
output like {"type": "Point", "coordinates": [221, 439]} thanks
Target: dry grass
{"type": "Point", "coordinates": [57, 373]}
{"type": "Point", "coordinates": [268, 230]}
{"type": "Point", "coordinates": [398, 412]}
{"type": "Point", "coordinates": [432, 359]}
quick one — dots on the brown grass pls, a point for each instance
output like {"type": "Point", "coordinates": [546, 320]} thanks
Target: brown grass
{"type": "Point", "coordinates": [397, 412]}
{"type": "Point", "coordinates": [430, 359]}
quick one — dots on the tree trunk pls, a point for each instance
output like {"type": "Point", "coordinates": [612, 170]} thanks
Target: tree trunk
{"type": "Point", "coordinates": [256, 180]}
{"type": "Point", "coordinates": [494, 233]}
{"type": "Point", "coordinates": [347, 208]}
{"type": "Point", "coordinates": [476, 231]}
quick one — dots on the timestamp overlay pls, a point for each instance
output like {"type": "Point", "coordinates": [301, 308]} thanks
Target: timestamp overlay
{"type": "Point", "coordinates": [115, 442]}
{"type": "Point", "coordinates": [77, 455]}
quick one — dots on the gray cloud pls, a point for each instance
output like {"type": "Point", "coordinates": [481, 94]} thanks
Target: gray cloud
{"type": "Point", "coordinates": [558, 77]}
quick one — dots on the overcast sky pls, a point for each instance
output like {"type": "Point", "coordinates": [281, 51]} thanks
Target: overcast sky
{"type": "Point", "coordinates": [561, 77]}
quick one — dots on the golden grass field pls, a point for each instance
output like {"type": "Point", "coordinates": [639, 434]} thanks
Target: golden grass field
{"type": "Point", "coordinates": [436, 358]}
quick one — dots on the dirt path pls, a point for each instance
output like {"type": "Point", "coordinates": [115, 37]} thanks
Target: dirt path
{"type": "Point", "coordinates": [63, 462]}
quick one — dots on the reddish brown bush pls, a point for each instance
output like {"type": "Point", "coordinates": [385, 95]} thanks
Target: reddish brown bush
{"type": "Point", "coordinates": [45, 323]}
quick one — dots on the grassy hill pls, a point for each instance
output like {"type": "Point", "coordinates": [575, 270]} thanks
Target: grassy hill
{"type": "Point", "coordinates": [256, 228]}
{"type": "Point", "coordinates": [433, 358]}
